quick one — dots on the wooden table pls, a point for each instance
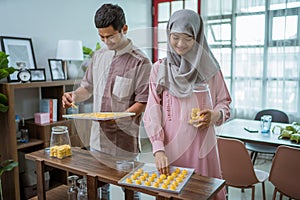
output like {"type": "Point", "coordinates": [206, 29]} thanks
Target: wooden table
{"type": "Point", "coordinates": [235, 129]}
{"type": "Point", "coordinates": [88, 164]}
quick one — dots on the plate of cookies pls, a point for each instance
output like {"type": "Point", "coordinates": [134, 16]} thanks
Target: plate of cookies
{"type": "Point", "coordinates": [147, 176]}
{"type": "Point", "coordinates": [99, 115]}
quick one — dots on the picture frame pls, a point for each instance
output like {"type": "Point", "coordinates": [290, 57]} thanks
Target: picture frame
{"type": "Point", "coordinates": [56, 69]}
{"type": "Point", "coordinates": [19, 50]}
{"type": "Point", "coordinates": [37, 75]}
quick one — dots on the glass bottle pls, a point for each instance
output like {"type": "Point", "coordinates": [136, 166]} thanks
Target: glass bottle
{"type": "Point", "coordinates": [82, 194]}
{"type": "Point", "coordinates": [73, 189]}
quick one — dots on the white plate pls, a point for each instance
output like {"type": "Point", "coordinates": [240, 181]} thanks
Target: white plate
{"type": "Point", "coordinates": [99, 115]}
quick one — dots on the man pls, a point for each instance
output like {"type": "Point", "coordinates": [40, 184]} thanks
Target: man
{"type": "Point", "coordinates": [117, 77]}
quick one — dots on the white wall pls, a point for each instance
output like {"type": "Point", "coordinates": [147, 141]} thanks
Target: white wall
{"type": "Point", "coordinates": [46, 22]}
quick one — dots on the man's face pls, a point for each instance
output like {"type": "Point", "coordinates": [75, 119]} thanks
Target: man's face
{"type": "Point", "coordinates": [111, 37]}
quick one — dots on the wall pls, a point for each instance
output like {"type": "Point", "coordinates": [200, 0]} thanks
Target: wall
{"type": "Point", "coordinates": [46, 22]}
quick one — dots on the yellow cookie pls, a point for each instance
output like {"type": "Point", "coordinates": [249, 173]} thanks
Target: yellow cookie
{"type": "Point", "coordinates": [138, 182]}
{"type": "Point", "coordinates": [173, 187]}
{"type": "Point", "coordinates": [155, 184]}
{"type": "Point", "coordinates": [133, 177]}
{"type": "Point", "coordinates": [151, 179]}
{"type": "Point", "coordinates": [164, 186]}
{"type": "Point", "coordinates": [147, 183]}
{"type": "Point", "coordinates": [179, 179]}
{"type": "Point", "coordinates": [177, 170]}
{"type": "Point", "coordinates": [163, 176]}
{"type": "Point", "coordinates": [128, 180]}
{"type": "Point", "coordinates": [166, 181]}
{"type": "Point", "coordinates": [154, 175]}
{"type": "Point", "coordinates": [142, 178]}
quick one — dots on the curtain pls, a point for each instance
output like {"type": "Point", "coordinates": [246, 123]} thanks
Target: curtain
{"type": "Point", "coordinates": [257, 45]}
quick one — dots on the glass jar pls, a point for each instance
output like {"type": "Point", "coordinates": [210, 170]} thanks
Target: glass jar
{"type": "Point", "coordinates": [60, 145]}
{"type": "Point", "coordinates": [200, 100]}
{"type": "Point", "coordinates": [203, 97]}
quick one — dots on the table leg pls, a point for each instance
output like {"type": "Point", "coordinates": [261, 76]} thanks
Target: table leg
{"type": "Point", "coordinates": [92, 186]}
{"type": "Point", "coordinates": [40, 179]}
{"type": "Point", "coordinates": [128, 194]}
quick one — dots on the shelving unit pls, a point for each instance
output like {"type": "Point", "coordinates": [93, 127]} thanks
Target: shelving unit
{"type": "Point", "coordinates": [39, 134]}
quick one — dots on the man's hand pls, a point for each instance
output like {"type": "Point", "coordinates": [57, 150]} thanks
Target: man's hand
{"type": "Point", "coordinates": [162, 163]}
{"type": "Point", "coordinates": [67, 99]}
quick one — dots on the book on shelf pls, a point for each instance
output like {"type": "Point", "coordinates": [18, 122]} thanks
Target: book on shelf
{"type": "Point", "coordinates": [49, 106]}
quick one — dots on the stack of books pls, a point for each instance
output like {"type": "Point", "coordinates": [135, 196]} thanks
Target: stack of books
{"type": "Point", "coordinates": [49, 106]}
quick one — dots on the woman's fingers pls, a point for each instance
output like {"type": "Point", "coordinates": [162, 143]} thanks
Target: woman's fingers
{"type": "Point", "coordinates": [162, 163]}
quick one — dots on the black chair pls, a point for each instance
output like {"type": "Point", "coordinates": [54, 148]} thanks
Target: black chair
{"type": "Point", "coordinates": [277, 116]}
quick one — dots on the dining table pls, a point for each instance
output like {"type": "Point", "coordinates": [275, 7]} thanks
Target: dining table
{"type": "Point", "coordinates": [100, 168]}
{"type": "Point", "coordinates": [237, 129]}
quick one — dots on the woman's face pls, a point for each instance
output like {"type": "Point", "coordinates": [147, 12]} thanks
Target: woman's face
{"type": "Point", "coordinates": [181, 43]}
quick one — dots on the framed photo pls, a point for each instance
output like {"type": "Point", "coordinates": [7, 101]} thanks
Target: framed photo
{"type": "Point", "coordinates": [37, 75]}
{"type": "Point", "coordinates": [56, 69]}
{"type": "Point", "coordinates": [19, 50]}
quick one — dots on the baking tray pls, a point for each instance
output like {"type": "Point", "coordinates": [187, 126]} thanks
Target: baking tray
{"type": "Point", "coordinates": [99, 115]}
{"type": "Point", "coordinates": [150, 168]}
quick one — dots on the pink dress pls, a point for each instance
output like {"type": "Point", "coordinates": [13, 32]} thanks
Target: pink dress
{"type": "Point", "coordinates": [166, 122]}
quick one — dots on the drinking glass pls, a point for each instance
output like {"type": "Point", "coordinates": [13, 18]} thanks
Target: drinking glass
{"type": "Point", "coordinates": [265, 123]}
{"type": "Point", "coordinates": [73, 189]}
{"type": "Point", "coordinates": [82, 194]}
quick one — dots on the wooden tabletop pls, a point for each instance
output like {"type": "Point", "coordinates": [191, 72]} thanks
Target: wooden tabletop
{"type": "Point", "coordinates": [103, 167]}
{"type": "Point", "coordinates": [235, 129]}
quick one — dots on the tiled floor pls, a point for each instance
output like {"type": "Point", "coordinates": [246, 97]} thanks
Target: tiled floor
{"type": "Point", "coordinates": [263, 162]}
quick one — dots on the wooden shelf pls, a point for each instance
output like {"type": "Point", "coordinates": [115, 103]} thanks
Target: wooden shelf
{"type": "Point", "coordinates": [31, 143]}
{"type": "Point", "coordinates": [39, 135]}
{"type": "Point", "coordinates": [18, 85]}
{"type": "Point", "coordinates": [56, 193]}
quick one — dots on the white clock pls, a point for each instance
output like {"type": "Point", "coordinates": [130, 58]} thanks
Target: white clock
{"type": "Point", "coordinates": [24, 75]}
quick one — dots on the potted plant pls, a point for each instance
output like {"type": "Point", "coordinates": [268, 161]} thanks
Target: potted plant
{"type": "Point", "coordinates": [87, 55]}
{"type": "Point", "coordinates": [5, 166]}
{"type": "Point", "coordinates": [5, 71]}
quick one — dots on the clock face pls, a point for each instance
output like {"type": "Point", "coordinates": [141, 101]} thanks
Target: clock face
{"type": "Point", "coordinates": [24, 75]}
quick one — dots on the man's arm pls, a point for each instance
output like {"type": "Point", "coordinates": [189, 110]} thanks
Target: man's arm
{"type": "Point", "coordinates": [137, 108]}
{"type": "Point", "coordinates": [79, 95]}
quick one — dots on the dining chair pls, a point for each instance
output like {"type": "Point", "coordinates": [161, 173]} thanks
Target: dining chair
{"type": "Point", "coordinates": [237, 168]}
{"type": "Point", "coordinates": [277, 116]}
{"type": "Point", "coordinates": [284, 173]}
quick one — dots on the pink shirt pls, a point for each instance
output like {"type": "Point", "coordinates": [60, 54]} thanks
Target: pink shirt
{"type": "Point", "coordinates": [166, 123]}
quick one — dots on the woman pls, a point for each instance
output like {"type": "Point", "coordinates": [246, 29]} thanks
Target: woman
{"type": "Point", "coordinates": [189, 62]}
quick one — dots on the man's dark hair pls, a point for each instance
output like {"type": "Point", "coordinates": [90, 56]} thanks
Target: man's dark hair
{"type": "Point", "coordinates": [109, 14]}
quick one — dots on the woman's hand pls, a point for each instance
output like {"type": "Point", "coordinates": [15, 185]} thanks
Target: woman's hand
{"type": "Point", "coordinates": [206, 118]}
{"type": "Point", "coordinates": [162, 163]}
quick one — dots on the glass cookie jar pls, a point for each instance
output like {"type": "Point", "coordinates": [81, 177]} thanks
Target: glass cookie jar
{"type": "Point", "coordinates": [60, 145]}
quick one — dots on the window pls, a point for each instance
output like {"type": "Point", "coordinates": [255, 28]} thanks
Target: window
{"type": "Point", "coordinates": [257, 44]}
{"type": "Point", "coordinates": [163, 9]}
